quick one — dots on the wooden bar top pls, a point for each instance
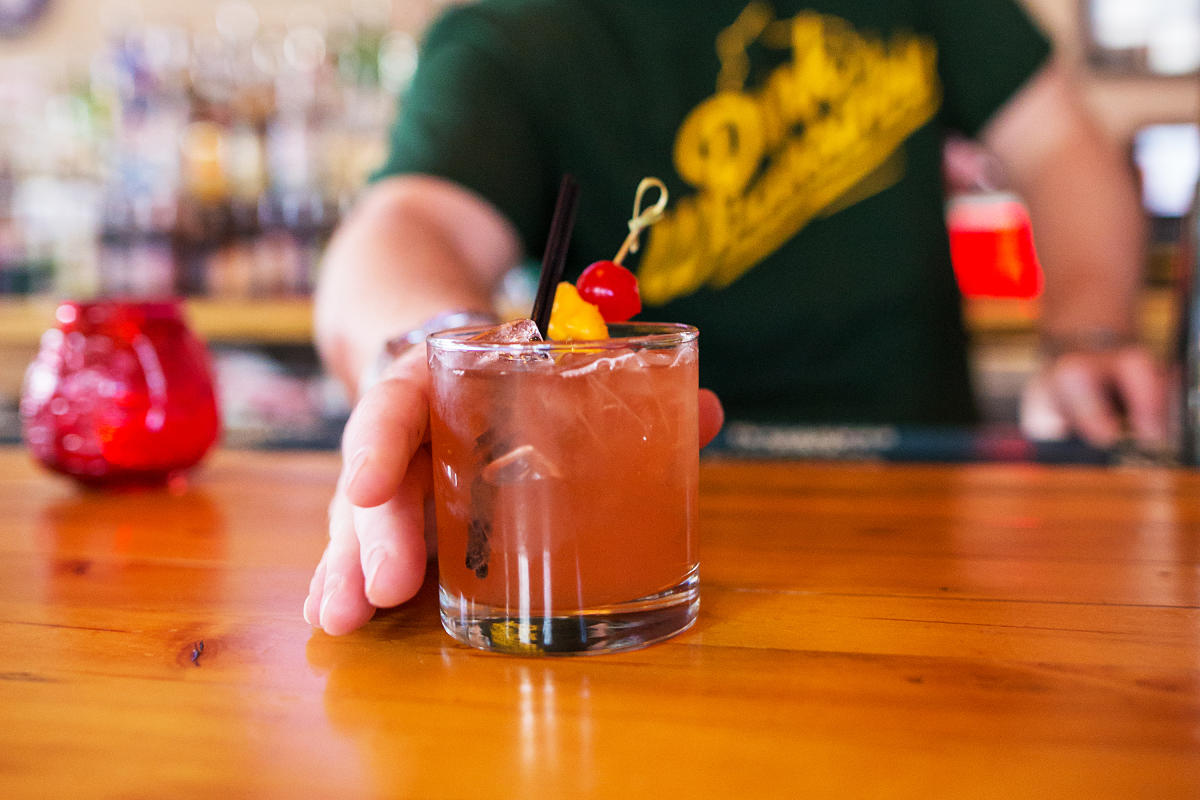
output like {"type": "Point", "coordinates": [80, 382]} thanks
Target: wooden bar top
{"type": "Point", "coordinates": [866, 630]}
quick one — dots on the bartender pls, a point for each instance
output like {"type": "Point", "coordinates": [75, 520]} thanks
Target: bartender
{"type": "Point", "coordinates": [802, 146]}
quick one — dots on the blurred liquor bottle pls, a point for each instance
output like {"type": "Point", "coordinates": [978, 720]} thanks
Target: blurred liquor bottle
{"type": "Point", "coordinates": [24, 268]}
{"type": "Point", "coordinates": [140, 88]}
{"type": "Point", "coordinates": [204, 225]}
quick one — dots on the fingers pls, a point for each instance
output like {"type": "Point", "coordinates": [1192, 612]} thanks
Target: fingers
{"type": "Point", "coordinates": [1081, 390]}
{"type": "Point", "coordinates": [316, 591]}
{"type": "Point", "coordinates": [343, 604]}
{"type": "Point", "coordinates": [1040, 417]}
{"type": "Point", "coordinates": [391, 538]}
{"type": "Point", "coordinates": [712, 416]}
{"type": "Point", "coordinates": [1142, 384]}
{"type": "Point", "coordinates": [376, 551]}
{"type": "Point", "coordinates": [387, 426]}
{"type": "Point", "coordinates": [376, 554]}
{"type": "Point", "coordinates": [1098, 395]}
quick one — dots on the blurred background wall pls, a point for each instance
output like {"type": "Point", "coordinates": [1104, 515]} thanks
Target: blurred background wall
{"type": "Point", "coordinates": [203, 149]}
{"type": "Point", "coordinates": [73, 30]}
{"type": "Point", "coordinates": [1125, 102]}
{"type": "Point", "coordinates": [207, 148]}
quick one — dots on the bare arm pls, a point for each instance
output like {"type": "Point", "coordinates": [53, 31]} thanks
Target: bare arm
{"type": "Point", "coordinates": [413, 247]}
{"type": "Point", "coordinates": [416, 246]}
{"type": "Point", "coordinates": [1090, 233]}
{"type": "Point", "coordinates": [1089, 223]}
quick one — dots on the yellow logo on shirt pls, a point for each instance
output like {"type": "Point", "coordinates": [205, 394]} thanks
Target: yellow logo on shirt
{"type": "Point", "coordinates": [822, 133]}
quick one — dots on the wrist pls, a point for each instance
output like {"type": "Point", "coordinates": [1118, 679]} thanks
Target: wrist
{"type": "Point", "coordinates": [1096, 339]}
{"type": "Point", "coordinates": [398, 345]}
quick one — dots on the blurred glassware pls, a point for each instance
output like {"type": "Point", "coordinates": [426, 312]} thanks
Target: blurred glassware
{"type": "Point", "coordinates": [1168, 157]}
{"type": "Point", "coordinates": [121, 392]}
{"type": "Point", "coordinates": [991, 246]}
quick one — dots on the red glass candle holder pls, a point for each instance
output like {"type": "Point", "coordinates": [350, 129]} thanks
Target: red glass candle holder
{"type": "Point", "coordinates": [121, 392]}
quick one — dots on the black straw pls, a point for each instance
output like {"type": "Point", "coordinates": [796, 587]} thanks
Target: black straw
{"type": "Point", "coordinates": [554, 260]}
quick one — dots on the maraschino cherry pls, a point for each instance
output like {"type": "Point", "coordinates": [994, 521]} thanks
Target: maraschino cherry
{"type": "Point", "coordinates": [611, 288]}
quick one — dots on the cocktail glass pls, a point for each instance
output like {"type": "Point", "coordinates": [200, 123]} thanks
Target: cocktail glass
{"type": "Point", "coordinates": [565, 479]}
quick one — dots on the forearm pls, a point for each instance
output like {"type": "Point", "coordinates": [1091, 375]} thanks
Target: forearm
{"type": "Point", "coordinates": [1090, 236]}
{"type": "Point", "coordinates": [1088, 223]}
{"type": "Point", "coordinates": [411, 249]}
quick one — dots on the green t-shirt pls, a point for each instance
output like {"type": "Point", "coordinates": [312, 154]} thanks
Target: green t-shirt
{"type": "Point", "coordinates": [801, 143]}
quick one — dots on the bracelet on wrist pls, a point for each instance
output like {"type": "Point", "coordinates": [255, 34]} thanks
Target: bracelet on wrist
{"type": "Point", "coordinates": [396, 346]}
{"type": "Point", "coordinates": [1091, 340]}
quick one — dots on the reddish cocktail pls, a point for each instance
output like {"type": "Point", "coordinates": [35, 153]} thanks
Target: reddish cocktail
{"type": "Point", "coordinates": [565, 476]}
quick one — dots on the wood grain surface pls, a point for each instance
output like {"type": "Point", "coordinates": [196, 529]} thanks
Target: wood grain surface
{"type": "Point", "coordinates": [866, 630]}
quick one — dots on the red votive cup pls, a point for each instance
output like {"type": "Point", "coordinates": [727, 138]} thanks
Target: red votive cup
{"type": "Point", "coordinates": [121, 392]}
